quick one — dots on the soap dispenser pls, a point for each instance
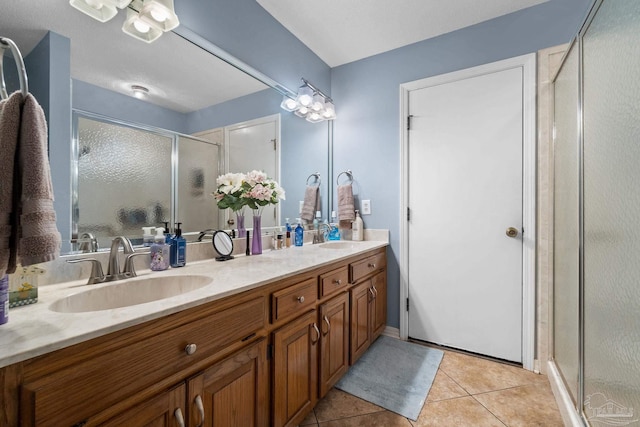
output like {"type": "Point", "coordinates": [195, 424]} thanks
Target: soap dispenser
{"type": "Point", "coordinates": [357, 228]}
{"type": "Point", "coordinates": [159, 252]}
{"type": "Point", "coordinates": [299, 233]}
{"type": "Point", "coordinates": [334, 231]}
{"type": "Point", "coordinates": [178, 254]}
{"type": "Point", "coordinates": [167, 233]}
{"type": "Point", "coordinates": [147, 236]}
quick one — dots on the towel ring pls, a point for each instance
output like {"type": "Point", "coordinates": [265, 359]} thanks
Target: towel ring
{"type": "Point", "coordinates": [317, 178]}
{"type": "Point", "coordinates": [349, 175]}
{"type": "Point", "coordinates": [6, 43]}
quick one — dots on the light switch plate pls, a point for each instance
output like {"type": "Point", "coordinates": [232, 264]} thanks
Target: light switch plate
{"type": "Point", "coordinates": [366, 207]}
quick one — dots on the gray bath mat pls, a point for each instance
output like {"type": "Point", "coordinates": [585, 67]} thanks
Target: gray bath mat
{"type": "Point", "coordinates": [393, 374]}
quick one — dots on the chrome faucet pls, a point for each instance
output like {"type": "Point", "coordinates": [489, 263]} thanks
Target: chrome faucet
{"type": "Point", "coordinates": [88, 242]}
{"type": "Point", "coordinates": [114, 259]}
{"type": "Point", "coordinates": [113, 271]}
{"type": "Point", "coordinates": [320, 237]}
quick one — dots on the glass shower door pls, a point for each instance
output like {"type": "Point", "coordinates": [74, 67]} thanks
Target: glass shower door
{"type": "Point", "coordinates": [611, 106]}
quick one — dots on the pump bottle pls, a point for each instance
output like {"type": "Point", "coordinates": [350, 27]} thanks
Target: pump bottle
{"type": "Point", "coordinates": [178, 253]}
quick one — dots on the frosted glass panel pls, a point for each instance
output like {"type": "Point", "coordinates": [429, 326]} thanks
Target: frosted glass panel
{"type": "Point", "coordinates": [124, 180]}
{"type": "Point", "coordinates": [197, 172]}
{"type": "Point", "coordinates": [566, 232]}
{"type": "Point", "coordinates": [612, 213]}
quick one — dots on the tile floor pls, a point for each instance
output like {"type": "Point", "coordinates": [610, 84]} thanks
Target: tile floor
{"type": "Point", "coordinates": [467, 391]}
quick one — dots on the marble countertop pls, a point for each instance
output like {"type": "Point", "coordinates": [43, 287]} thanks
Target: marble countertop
{"type": "Point", "coordinates": [35, 329]}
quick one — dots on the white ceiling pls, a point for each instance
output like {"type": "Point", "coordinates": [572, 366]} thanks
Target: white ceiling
{"type": "Point", "coordinates": [180, 75]}
{"type": "Point", "coordinates": [343, 31]}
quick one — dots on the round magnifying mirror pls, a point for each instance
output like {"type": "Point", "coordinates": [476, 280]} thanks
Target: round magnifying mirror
{"type": "Point", "coordinates": [223, 244]}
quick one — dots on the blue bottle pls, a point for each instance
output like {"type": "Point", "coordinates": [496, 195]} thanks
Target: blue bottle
{"type": "Point", "coordinates": [167, 233]}
{"type": "Point", "coordinates": [299, 234]}
{"type": "Point", "coordinates": [178, 253]}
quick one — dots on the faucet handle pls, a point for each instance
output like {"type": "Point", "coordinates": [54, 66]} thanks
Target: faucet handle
{"type": "Point", "coordinates": [129, 268]}
{"type": "Point", "coordinates": [96, 275]}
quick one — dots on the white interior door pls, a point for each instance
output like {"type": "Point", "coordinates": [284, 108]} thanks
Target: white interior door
{"type": "Point", "coordinates": [254, 145]}
{"type": "Point", "coordinates": [465, 190]}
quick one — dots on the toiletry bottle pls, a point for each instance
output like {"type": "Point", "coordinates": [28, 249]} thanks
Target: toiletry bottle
{"type": "Point", "coordinates": [4, 299]}
{"type": "Point", "coordinates": [147, 236]}
{"type": "Point", "coordinates": [167, 233]}
{"type": "Point", "coordinates": [299, 233]}
{"type": "Point", "coordinates": [178, 257]}
{"type": "Point", "coordinates": [334, 233]}
{"type": "Point", "coordinates": [159, 252]}
{"type": "Point", "coordinates": [357, 228]}
{"type": "Point", "coordinates": [288, 233]}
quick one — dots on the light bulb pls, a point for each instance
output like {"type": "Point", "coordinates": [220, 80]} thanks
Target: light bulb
{"type": "Point", "coordinates": [141, 26]}
{"type": "Point", "coordinates": [318, 102]}
{"type": "Point", "coordinates": [159, 14]}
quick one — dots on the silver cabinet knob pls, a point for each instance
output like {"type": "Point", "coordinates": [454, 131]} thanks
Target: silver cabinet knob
{"type": "Point", "coordinates": [301, 299]}
{"type": "Point", "coordinates": [190, 349]}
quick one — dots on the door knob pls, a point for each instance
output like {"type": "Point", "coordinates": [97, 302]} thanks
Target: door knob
{"type": "Point", "coordinates": [512, 232]}
{"type": "Point", "coordinates": [231, 221]}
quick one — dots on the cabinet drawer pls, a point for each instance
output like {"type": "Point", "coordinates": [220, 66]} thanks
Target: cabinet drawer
{"type": "Point", "coordinates": [334, 281]}
{"type": "Point", "coordinates": [115, 375]}
{"type": "Point", "coordinates": [365, 267]}
{"type": "Point", "coordinates": [294, 299]}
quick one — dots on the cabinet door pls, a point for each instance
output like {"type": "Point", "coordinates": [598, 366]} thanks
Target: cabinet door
{"type": "Point", "coordinates": [378, 305]}
{"type": "Point", "coordinates": [164, 410]}
{"type": "Point", "coordinates": [232, 392]}
{"type": "Point", "coordinates": [360, 337]}
{"type": "Point", "coordinates": [334, 344]}
{"type": "Point", "coordinates": [295, 373]}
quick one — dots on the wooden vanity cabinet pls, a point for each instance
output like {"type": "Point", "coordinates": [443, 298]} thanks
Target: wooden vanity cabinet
{"type": "Point", "coordinates": [262, 357]}
{"type": "Point", "coordinates": [368, 303]}
{"type": "Point", "coordinates": [295, 369]}
{"type": "Point", "coordinates": [164, 410]}
{"type": "Point", "coordinates": [334, 341]}
{"type": "Point", "coordinates": [232, 392]}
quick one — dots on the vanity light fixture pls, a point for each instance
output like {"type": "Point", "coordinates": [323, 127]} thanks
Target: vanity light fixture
{"type": "Point", "coordinates": [309, 103]}
{"type": "Point", "coordinates": [97, 9]}
{"type": "Point", "coordinates": [146, 19]}
{"type": "Point", "coordinates": [288, 104]}
{"type": "Point", "coordinates": [159, 14]}
{"type": "Point", "coordinates": [136, 27]}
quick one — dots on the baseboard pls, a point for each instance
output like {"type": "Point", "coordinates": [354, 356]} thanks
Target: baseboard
{"type": "Point", "coordinates": [567, 409]}
{"type": "Point", "coordinates": [391, 332]}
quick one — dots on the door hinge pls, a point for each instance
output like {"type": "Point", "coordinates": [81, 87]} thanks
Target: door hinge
{"type": "Point", "coordinates": [409, 117]}
{"type": "Point", "coordinates": [408, 214]}
{"type": "Point", "coordinates": [274, 144]}
{"type": "Point", "coordinates": [270, 351]}
{"type": "Point", "coordinates": [407, 304]}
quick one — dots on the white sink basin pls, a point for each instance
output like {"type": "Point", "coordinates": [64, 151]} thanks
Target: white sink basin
{"type": "Point", "coordinates": [129, 292]}
{"type": "Point", "coordinates": [339, 245]}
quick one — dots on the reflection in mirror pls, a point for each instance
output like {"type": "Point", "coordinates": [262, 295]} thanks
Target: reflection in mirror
{"type": "Point", "coordinates": [117, 190]}
{"type": "Point", "coordinates": [74, 62]}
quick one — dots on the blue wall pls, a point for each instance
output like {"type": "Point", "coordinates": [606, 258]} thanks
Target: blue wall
{"type": "Point", "coordinates": [48, 67]}
{"type": "Point", "coordinates": [366, 93]}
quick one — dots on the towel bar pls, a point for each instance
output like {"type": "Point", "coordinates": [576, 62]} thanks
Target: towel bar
{"type": "Point", "coordinates": [6, 43]}
{"type": "Point", "coordinates": [348, 173]}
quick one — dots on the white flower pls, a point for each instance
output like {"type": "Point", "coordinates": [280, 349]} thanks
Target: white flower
{"type": "Point", "coordinates": [230, 182]}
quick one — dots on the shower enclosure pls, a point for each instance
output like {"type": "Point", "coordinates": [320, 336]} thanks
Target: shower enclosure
{"type": "Point", "coordinates": [596, 347]}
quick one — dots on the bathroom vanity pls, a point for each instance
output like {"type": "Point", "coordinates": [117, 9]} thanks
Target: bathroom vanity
{"type": "Point", "coordinates": [258, 347]}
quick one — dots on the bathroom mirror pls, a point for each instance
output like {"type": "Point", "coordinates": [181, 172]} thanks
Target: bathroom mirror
{"type": "Point", "coordinates": [223, 245]}
{"type": "Point", "coordinates": [190, 91]}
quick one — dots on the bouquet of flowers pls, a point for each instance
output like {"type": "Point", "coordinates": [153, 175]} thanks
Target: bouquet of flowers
{"type": "Point", "coordinates": [230, 191]}
{"type": "Point", "coordinates": [253, 189]}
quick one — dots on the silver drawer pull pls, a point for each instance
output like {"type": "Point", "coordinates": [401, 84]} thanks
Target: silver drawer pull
{"type": "Point", "coordinates": [301, 299]}
{"type": "Point", "coordinates": [337, 281]}
{"type": "Point", "coordinates": [190, 349]}
{"type": "Point", "coordinates": [372, 265]}
{"type": "Point", "coordinates": [179, 418]}
{"type": "Point", "coordinates": [200, 408]}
